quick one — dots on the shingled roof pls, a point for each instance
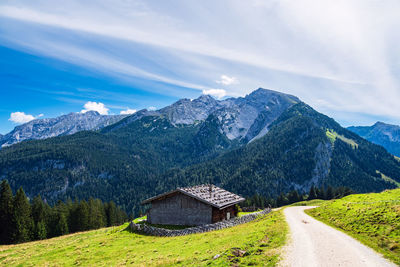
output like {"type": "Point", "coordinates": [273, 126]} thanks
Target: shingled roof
{"type": "Point", "coordinates": [216, 197]}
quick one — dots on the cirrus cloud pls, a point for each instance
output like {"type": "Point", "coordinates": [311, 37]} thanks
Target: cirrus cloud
{"type": "Point", "coordinates": [95, 106]}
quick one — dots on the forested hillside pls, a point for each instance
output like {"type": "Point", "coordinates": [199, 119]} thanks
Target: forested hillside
{"type": "Point", "coordinates": [303, 148]}
{"type": "Point", "coordinates": [134, 159]}
{"type": "Point", "coordinates": [122, 165]}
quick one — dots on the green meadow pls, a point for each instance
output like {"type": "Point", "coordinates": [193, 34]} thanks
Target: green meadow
{"type": "Point", "coordinates": [254, 243]}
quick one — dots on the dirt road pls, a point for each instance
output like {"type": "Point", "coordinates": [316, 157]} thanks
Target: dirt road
{"type": "Point", "coordinates": [314, 243]}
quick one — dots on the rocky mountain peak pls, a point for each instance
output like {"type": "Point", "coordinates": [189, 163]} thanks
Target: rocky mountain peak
{"type": "Point", "coordinates": [264, 95]}
{"type": "Point", "coordinates": [243, 118]}
{"type": "Point", "coordinates": [66, 124]}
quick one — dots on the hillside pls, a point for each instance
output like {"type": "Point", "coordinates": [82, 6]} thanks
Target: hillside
{"type": "Point", "coordinates": [122, 165]}
{"type": "Point", "coordinates": [115, 246]}
{"type": "Point", "coordinates": [302, 148]}
{"type": "Point", "coordinates": [380, 133]}
{"type": "Point", "coordinates": [373, 219]}
{"type": "Point", "coordinates": [282, 146]}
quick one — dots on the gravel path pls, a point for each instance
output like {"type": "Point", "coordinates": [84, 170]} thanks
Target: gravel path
{"type": "Point", "coordinates": [313, 243]}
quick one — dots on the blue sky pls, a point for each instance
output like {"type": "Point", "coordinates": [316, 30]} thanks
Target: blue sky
{"type": "Point", "coordinates": [341, 57]}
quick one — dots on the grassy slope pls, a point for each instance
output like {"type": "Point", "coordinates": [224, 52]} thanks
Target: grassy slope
{"type": "Point", "coordinates": [261, 239]}
{"type": "Point", "coordinates": [373, 219]}
{"type": "Point", "coordinates": [314, 202]}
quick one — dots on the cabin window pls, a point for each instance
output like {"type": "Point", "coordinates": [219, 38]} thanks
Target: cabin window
{"type": "Point", "coordinates": [228, 215]}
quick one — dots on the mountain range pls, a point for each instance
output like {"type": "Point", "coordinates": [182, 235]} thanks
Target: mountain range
{"type": "Point", "coordinates": [266, 143]}
{"type": "Point", "coordinates": [380, 133]}
{"type": "Point", "coordinates": [63, 125]}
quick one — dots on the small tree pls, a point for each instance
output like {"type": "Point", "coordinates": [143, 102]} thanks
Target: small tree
{"type": "Point", "coordinates": [22, 218]}
{"type": "Point", "coordinates": [329, 193]}
{"type": "Point", "coordinates": [320, 193]}
{"type": "Point", "coordinates": [40, 230]}
{"type": "Point", "coordinates": [111, 214]}
{"type": "Point", "coordinates": [312, 194]}
{"type": "Point", "coordinates": [62, 225]}
{"type": "Point", "coordinates": [293, 196]}
{"type": "Point", "coordinates": [39, 217]}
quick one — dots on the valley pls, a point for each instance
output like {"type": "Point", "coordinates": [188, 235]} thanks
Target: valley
{"type": "Point", "coordinates": [266, 143]}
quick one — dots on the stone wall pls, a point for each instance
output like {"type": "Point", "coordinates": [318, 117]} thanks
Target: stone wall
{"type": "Point", "coordinates": [155, 231]}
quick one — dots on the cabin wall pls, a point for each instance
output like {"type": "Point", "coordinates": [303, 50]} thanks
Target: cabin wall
{"type": "Point", "coordinates": [179, 209]}
{"type": "Point", "coordinates": [220, 215]}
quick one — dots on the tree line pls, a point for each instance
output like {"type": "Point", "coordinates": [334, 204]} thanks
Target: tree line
{"type": "Point", "coordinates": [324, 193]}
{"type": "Point", "coordinates": [22, 220]}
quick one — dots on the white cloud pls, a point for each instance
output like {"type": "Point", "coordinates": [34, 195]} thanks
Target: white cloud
{"type": "Point", "coordinates": [218, 93]}
{"type": "Point", "coordinates": [95, 106]}
{"type": "Point", "coordinates": [21, 117]}
{"type": "Point", "coordinates": [127, 111]}
{"type": "Point", "coordinates": [226, 80]}
{"type": "Point", "coordinates": [319, 51]}
{"type": "Point", "coordinates": [151, 108]}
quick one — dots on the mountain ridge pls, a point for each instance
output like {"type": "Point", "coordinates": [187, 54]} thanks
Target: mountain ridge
{"type": "Point", "coordinates": [386, 135]}
{"type": "Point", "coordinates": [236, 116]}
{"type": "Point", "coordinates": [62, 125]}
{"type": "Point", "coordinates": [148, 153]}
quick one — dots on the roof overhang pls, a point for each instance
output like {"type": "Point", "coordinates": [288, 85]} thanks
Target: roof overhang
{"type": "Point", "coordinates": [149, 200]}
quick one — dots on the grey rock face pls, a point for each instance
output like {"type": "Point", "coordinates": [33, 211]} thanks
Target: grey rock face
{"type": "Point", "coordinates": [186, 111]}
{"type": "Point", "coordinates": [243, 118]}
{"type": "Point", "coordinates": [249, 117]}
{"type": "Point", "coordinates": [63, 125]}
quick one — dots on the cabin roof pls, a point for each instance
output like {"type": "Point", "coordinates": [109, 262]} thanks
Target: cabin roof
{"type": "Point", "coordinates": [216, 197]}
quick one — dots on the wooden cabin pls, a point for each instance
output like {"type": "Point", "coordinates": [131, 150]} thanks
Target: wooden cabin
{"type": "Point", "coordinates": [196, 205]}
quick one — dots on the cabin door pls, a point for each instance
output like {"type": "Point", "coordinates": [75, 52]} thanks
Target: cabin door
{"type": "Point", "coordinates": [228, 215]}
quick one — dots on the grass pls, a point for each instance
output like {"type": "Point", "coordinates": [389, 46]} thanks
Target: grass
{"type": "Point", "coordinates": [140, 219]}
{"type": "Point", "coordinates": [314, 202]}
{"type": "Point", "coordinates": [261, 239]}
{"type": "Point", "coordinates": [242, 213]}
{"type": "Point", "coordinates": [373, 219]}
{"type": "Point", "coordinates": [332, 135]}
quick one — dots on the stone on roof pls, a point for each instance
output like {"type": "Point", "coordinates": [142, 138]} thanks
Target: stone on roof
{"type": "Point", "coordinates": [209, 194]}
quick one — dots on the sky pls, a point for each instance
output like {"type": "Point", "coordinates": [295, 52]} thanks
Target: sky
{"type": "Point", "coordinates": [119, 56]}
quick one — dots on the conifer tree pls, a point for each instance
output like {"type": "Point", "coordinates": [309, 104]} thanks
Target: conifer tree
{"type": "Point", "coordinates": [62, 225]}
{"type": "Point", "coordinates": [22, 218]}
{"type": "Point", "coordinates": [96, 214]}
{"type": "Point", "coordinates": [82, 216]}
{"type": "Point", "coordinates": [329, 193]}
{"type": "Point", "coordinates": [39, 218]}
{"type": "Point", "coordinates": [40, 230]}
{"type": "Point", "coordinates": [312, 194]}
{"type": "Point", "coordinates": [6, 211]}
{"type": "Point", "coordinates": [321, 193]}
{"type": "Point", "coordinates": [111, 213]}
{"type": "Point", "coordinates": [293, 196]}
